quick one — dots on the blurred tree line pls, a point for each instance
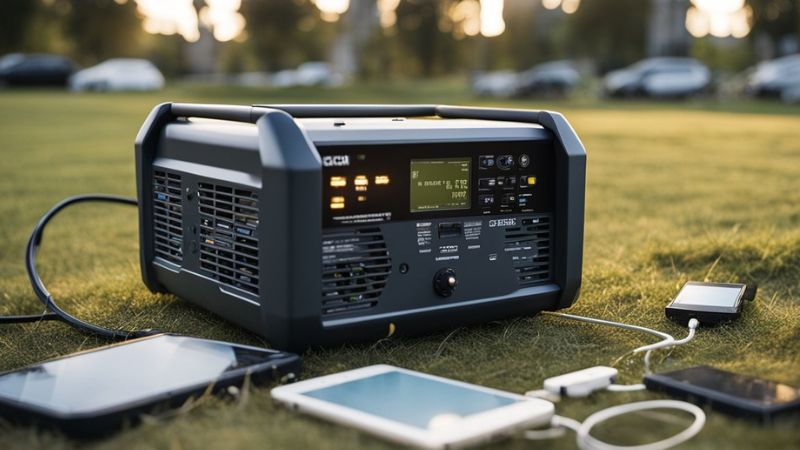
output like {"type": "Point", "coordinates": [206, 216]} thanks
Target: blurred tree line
{"type": "Point", "coordinates": [425, 39]}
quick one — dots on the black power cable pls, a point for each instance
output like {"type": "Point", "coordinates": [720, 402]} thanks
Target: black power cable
{"type": "Point", "coordinates": [41, 291]}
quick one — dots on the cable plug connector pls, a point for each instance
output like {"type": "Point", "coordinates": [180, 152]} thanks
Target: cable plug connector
{"type": "Point", "coordinates": [581, 383]}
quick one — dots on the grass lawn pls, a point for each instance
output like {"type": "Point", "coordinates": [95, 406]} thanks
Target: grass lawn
{"type": "Point", "coordinates": [675, 192]}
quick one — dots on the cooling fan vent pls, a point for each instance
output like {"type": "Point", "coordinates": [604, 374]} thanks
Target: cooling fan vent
{"type": "Point", "coordinates": [167, 216]}
{"type": "Point", "coordinates": [355, 267]}
{"type": "Point", "coordinates": [228, 238]}
{"type": "Point", "coordinates": [529, 248]}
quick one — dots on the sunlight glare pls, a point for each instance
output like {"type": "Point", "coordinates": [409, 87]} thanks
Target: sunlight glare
{"type": "Point", "coordinates": [223, 18]}
{"type": "Point", "coordinates": [386, 12]}
{"type": "Point", "coordinates": [570, 6]}
{"type": "Point", "coordinates": [169, 17]}
{"type": "Point", "coordinates": [551, 4]}
{"type": "Point", "coordinates": [331, 9]}
{"type": "Point", "coordinates": [467, 15]}
{"type": "Point", "coordinates": [491, 18]}
{"type": "Point", "coordinates": [719, 18]}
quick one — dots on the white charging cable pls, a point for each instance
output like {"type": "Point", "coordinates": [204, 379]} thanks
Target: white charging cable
{"type": "Point", "coordinates": [586, 441]}
{"type": "Point", "coordinates": [666, 341]}
{"type": "Point", "coordinates": [585, 378]}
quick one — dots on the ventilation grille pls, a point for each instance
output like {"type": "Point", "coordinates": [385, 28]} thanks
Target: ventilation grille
{"type": "Point", "coordinates": [167, 216]}
{"type": "Point", "coordinates": [355, 266]}
{"type": "Point", "coordinates": [228, 242]}
{"type": "Point", "coordinates": [529, 248]}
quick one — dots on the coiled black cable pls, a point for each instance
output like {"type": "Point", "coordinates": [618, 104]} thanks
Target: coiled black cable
{"type": "Point", "coordinates": [56, 313]}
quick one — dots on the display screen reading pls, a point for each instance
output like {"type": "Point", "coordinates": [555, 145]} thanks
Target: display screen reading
{"type": "Point", "coordinates": [440, 184]}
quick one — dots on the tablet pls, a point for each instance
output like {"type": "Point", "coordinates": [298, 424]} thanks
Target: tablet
{"type": "Point", "coordinates": [415, 408]}
{"type": "Point", "coordinates": [92, 393]}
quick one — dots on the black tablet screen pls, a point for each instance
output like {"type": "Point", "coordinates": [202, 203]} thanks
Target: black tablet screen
{"type": "Point", "coordinates": [122, 374]}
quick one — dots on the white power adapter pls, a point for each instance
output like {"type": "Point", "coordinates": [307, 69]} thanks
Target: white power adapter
{"type": "Point", "coordinates": [582, 382]}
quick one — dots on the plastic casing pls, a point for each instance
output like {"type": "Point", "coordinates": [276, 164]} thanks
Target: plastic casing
{"type": "Point", "coordinates": [288, 176]}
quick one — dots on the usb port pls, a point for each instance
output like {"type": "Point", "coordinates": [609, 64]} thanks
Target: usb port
{"type": "Point", "coordinates": [450, 229]}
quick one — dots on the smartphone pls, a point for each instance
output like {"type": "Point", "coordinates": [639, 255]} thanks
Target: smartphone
{"type": "Point", "coordinates": [710, 303]}
{"type": "Point", "coordinates": [728, 392]}
{"type": "Point", "coordinates": [414, 408]}
{"type": "Point", "coordinates": [92, 393]}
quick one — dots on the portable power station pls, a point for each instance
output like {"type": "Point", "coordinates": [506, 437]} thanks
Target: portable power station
{"type": "Point", "coordinates": [325, 224]}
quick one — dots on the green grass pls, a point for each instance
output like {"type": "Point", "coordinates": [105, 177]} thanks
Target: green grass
{"type": "Point", "coordinates": [675, 192]}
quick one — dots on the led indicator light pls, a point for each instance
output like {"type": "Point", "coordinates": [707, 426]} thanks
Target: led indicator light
{"type": "Point", "coordinates": [382, 179]}
{"type": "Point", "coordinates": [337, 202]}
{"type": "Point", "coordinates": [338, 182]}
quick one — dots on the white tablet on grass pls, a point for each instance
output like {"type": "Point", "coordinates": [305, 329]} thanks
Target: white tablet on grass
{"type": "Point", "coordinates": [415, 408]}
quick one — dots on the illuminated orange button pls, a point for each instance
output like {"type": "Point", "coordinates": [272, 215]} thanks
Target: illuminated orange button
{"type": "Point", "coordinates": [531, 181]}
{"type": "Point", "coordinates": [337, 202]}
{"type": "Point", "coordinates": [361, 180]}
{"type": "Point", "coordinates": [338, 181]}
{"type": "Point", "coordinates": [381, 179]}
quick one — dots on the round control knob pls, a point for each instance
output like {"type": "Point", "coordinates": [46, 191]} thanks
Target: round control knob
{"type": "Point", "coordinates": [445, 282]}
{"type": "Point", "coordinates": [524, 160]}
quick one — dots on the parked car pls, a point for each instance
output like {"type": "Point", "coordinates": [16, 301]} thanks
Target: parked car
{"type": "Point", "coordinates": [312, 73]}
{"type": "Point", "coordinates": [776, 78]}
{"type": "Point", "coordinates": [791, 94]}
{"type": "Point", "coordinates": [554, 78]}
{"type": "Point", "coordinates": [120, 74]}
{"type": "Point", "coordinates": [18, 69]}
{"type": "Point", "coordinates": [501, 83]}
{"type": "Point", "coordinates": [659, 77]}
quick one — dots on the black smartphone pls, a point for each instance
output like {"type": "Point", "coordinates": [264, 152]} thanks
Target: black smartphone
{"type": "Point", "coordinates": [710, 303]}
{"type": "Point", "coordinates": [728, 392]}
{"type": "Point", "coordinates": [92, 393]}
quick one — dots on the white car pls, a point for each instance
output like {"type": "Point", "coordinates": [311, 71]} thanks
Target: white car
{"type": "Point", "coordinates": [554, 78]}
{"type": "Point", "coordinates": [659, 77]}
{"type": "Point", "coordinates": [502, 83]}
{"type": "Point", "coordinates": [776, 78]}
{"type": "Point", "coordinates": [312, 73]}
{"type": "Point", "coordinates": [121, 74]}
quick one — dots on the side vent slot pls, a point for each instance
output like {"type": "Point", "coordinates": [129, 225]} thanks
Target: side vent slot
{"type": "Point", "coordinates": [355, 267]}
{"type": "Point", "coordinates": [528, 246]}
{"type": "Point", "coordinates": [168, 216]}
{"type": "Point", "coordinates": [228, 238]}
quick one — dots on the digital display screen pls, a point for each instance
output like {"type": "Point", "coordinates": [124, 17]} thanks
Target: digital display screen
{"type": "Point", "coordinates": [694, 294]}
{"type": "Point", "coordinates": [440, 184]}
{"type": "Point", "coordinates": [410, 399]}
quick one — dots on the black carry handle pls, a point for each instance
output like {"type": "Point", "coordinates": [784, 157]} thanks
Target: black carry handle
{"type": "Point", "coordinates": [355, 110]}
{"type": "Point", "coordinates": [251, 114]}
{"type": "Point", "coordinates": [443, 111]}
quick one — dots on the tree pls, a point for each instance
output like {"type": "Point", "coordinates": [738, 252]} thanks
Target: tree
{"type": "Point", "coordinates": [614, 32]}
{"type": "Point", "coordinates": [102, 29]}
{"type": "Point", "coordinates": [775, 20]}
{"type": "Point", "coordinates": [15, 18]}
{"type": "Point", "coordinates": [284, 33]}
{"type": "Point", "coordinates": [421, 39]}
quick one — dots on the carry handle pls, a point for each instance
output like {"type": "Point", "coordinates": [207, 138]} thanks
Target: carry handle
{"type": "Point", "coordinates": [251, 114]}
{"type": "Point", "coordinates": [356, 110]}
{"type": "Point", "coordinates": [234, 113]}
